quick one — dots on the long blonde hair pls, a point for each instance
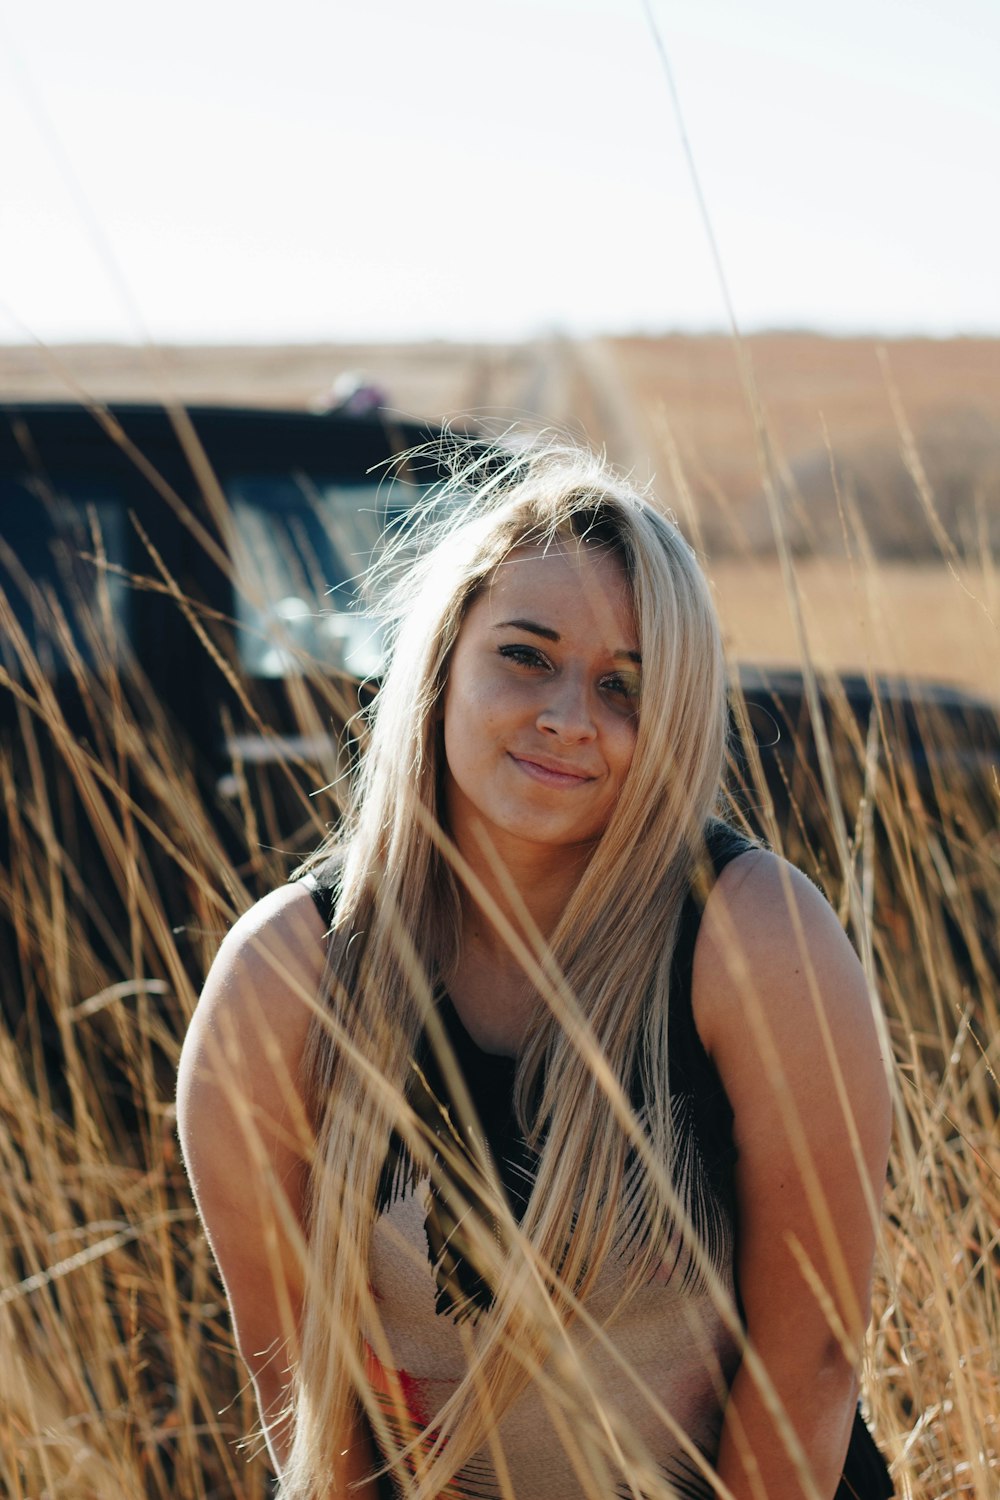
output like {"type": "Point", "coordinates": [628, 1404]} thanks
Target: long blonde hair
{"type": "Point", "coordinates": [603, 979]}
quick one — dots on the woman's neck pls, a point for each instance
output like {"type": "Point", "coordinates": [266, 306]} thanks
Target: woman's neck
{"type": "Point", "coordinates": [524, 892]}
{"type": "Point", "coordinates": [517, 896]}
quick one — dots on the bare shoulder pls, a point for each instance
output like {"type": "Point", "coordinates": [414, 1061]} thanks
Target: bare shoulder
{"type": "Point", "coordinates": [783, 1006]}
{"type": "Point", "coordinates": [768, 929]}
{"type": "Point", "coordinates": [243, 1050]}
{"type": "Point", "coordinates": [266, 973]}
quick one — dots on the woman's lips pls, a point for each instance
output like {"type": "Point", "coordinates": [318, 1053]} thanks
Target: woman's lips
{"type": "Point", "coordinates": [548, 773]}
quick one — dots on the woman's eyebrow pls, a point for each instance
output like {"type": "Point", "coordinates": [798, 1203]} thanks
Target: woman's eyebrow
{"type": "Point", "coordinates": [548, 634]}
{"type": "Point", "coordinates": [545, 631]}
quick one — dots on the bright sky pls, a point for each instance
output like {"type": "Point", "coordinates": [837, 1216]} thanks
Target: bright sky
{"type": "Point", "coordinates": [339, 169]}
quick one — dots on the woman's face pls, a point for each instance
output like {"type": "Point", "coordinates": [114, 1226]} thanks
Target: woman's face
{"type": "Point", "coordinates": [542, 700]}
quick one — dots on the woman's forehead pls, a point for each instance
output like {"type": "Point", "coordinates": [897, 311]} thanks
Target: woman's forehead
{"type": "Point", "coordinates": [579, 584]}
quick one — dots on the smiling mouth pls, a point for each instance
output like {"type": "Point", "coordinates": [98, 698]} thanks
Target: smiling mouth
{"type": "Point", "coordinates": [549, 774]}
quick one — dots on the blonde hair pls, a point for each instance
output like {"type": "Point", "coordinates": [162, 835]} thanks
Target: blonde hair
{"type": "Point", "coordinates": [603, 979]}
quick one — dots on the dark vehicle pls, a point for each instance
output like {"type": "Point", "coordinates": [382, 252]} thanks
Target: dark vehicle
{"type": "Point", "coordinates": [181, 649]}
{"type": "Point", "coordinates": [200, 556]}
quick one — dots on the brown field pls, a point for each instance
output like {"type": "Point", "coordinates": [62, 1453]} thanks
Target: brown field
{"type": "Point", "coordinates": [911, 429]}
{"type": "Point", "coordinates": [915, 621]}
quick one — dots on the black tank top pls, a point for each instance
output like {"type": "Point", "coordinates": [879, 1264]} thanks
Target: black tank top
{"type": "Point", "coordinates": [702, 1114]}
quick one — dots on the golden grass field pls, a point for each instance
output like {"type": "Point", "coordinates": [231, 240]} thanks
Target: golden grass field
{"type": "Point", "coordinates": [118, 1378]}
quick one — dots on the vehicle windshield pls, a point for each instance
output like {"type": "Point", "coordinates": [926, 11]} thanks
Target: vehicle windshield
{"type": "Point", "coordinates": [300, 549]}
{"type": "Point", "coordinates": [68, 606]}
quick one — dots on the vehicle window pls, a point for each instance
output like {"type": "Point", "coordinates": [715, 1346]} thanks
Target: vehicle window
{"type": "Point", "coordinates": [300, 549]}
{"type": "Point", "coordinates": [65, 607]}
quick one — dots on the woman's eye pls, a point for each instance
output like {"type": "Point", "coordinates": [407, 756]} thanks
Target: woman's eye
{"type": "Point", "coordinates": [523, 656]}
{"type": "Point", "coordinates": [623, 686]}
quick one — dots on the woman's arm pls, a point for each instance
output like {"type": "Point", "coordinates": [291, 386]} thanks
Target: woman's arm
{"type": "Point", "coordinates": [246, 1142]}
{"type": "Point", "coordinates": [782, 1006]}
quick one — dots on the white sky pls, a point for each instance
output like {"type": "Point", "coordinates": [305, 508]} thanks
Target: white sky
{"type": "Point", "coordinates": [338, 169]}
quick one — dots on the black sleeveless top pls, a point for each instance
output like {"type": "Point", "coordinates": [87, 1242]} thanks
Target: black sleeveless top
{"type": "Point", "coordinates": [702, 1114]}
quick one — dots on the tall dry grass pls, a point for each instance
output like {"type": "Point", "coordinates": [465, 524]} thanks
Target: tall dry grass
{"type": "Point", "coordinates": [118, 1377]}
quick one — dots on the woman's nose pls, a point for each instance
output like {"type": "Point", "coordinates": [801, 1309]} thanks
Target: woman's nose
{"type": "Point", "coordinates": [567, 712]}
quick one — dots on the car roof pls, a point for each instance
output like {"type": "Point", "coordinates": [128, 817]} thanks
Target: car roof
{"type": "Point", "coordinates": [67, 437]}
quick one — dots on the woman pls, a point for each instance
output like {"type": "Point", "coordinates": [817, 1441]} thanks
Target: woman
{"type": "Point", "coordinates": [538, 1130]}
